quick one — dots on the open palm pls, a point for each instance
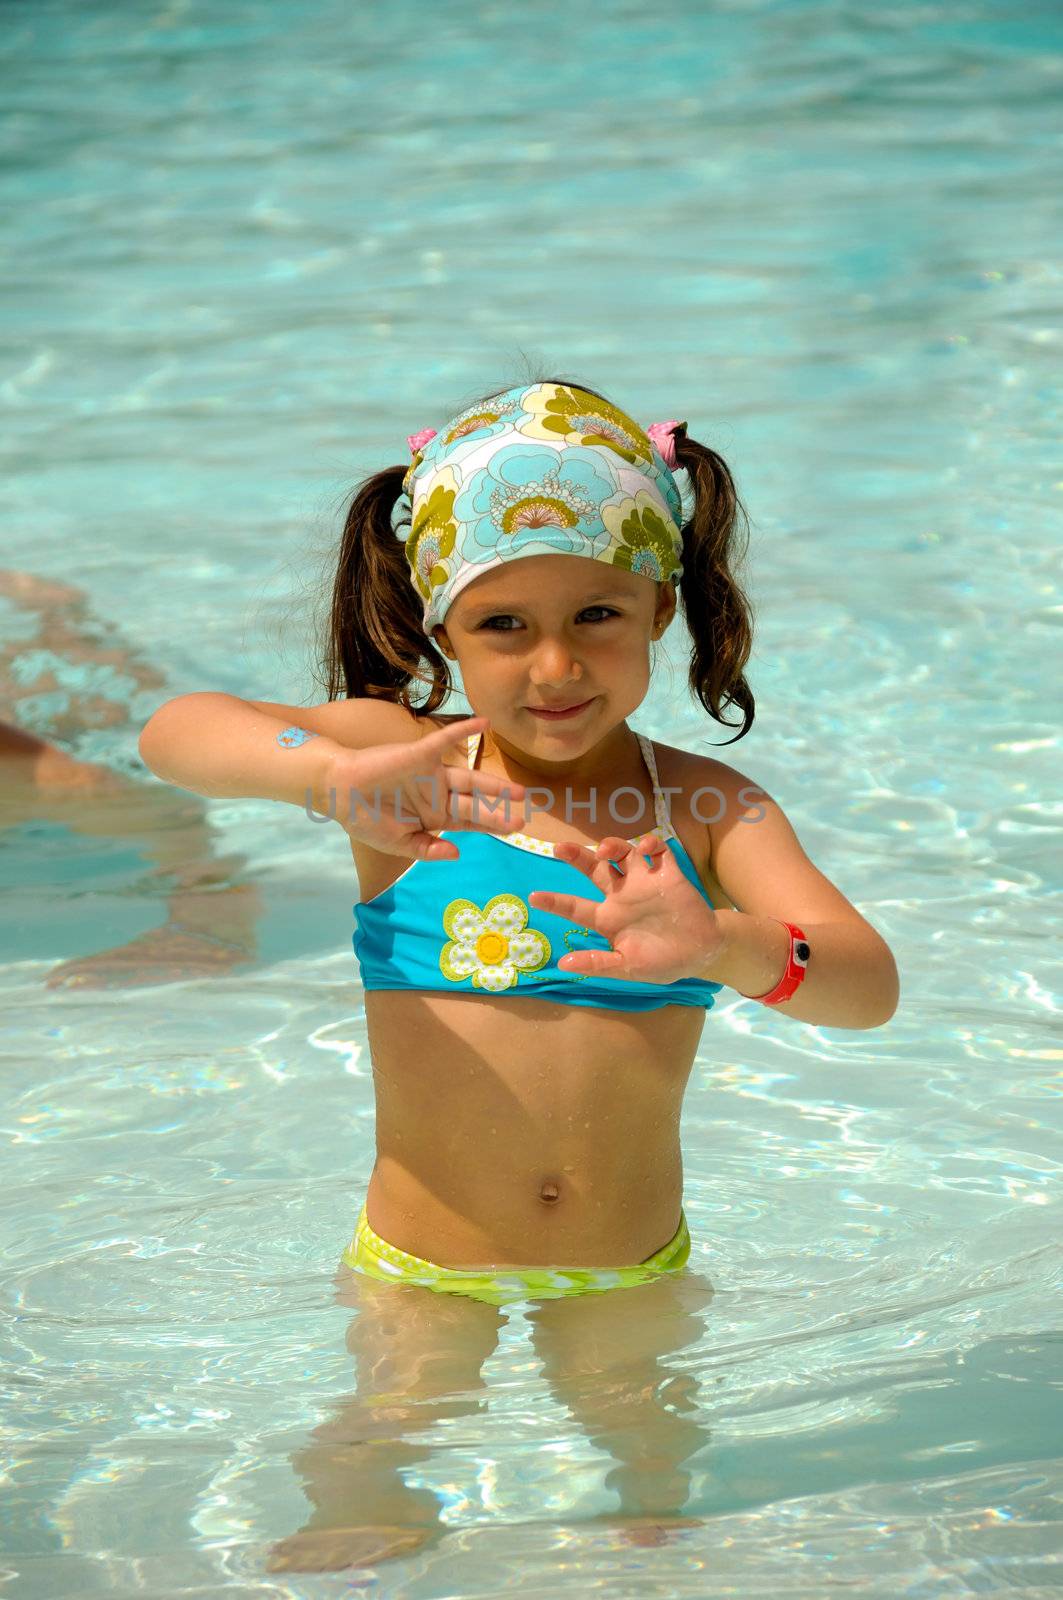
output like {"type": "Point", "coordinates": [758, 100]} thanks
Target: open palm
{"type": "Point", "coordinates": [413, 791]}
{"type": "Point", "coordinates": [659, 926]}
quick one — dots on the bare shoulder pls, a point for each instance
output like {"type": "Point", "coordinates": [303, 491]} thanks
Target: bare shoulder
{"type": "Point", "coordinates": [738, 792]}
{"type": "Point", "coordinates": [755, 854]}
{"type": "Point", "coordinates": [698, 768]}
{"type": "Point", "coordinates": [697, 778]}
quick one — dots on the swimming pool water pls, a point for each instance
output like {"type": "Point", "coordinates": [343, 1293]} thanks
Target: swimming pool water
{"type": "Point", "coordinates": [250, 249]}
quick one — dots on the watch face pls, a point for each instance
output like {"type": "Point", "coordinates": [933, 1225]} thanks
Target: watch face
{"type": "Point", "coordinates": [802, 952]}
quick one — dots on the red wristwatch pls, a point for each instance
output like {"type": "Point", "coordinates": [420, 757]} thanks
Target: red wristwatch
{"type": "Point", "coordinates": [796, 963]}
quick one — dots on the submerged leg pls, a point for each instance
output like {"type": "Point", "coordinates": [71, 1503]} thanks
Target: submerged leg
{"type": "Point", "coordinates": [418, 1357]}
{"type": "Point", "coordinates": [603, 1355]}
{"type": "Point", "coordinates": [78, 659]}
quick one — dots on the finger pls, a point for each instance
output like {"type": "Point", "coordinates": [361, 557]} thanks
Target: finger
{"type": "Point", "coordinates": [593, 963]}
{"type": "Point", "coordinates": [456, 733]}
{"type": "Point", "coordinates": [596, 862]}
{"type": "Point", "coordinates": [655, 847]}
{"type": "Point", "coordinates": [423, 799]}
{"type": "Point", "coordinates": [481, 801]}
{"type": "Point", "coordinates": [451, 797]}
{"type": "Point", "coordinates": [453, 731]}
{"type": "Point", "coordinates": [419, 755]}
{"type": "Point", "coordinates": [464, 812]}
{"type": "Point", "coordinates": [574, 854]}
{"type": "Point", "coordinates": [614, 848]}
{"type": "Point", "coordinates": [406, 840]}
{"type": "Point", "coordinates": [643, 845]}
{"type": "Point", "coordinates": [426, 847]}
{"type": "Point", "coordinates": [565, 905]}
{"type": "Point", "coordinates": [466, 781]}
{"type": "Point", "coordinates": [612, 863]}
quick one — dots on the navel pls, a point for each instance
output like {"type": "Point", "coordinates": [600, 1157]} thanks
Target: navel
{"type": "Point", "coordinates": [548, 1191]}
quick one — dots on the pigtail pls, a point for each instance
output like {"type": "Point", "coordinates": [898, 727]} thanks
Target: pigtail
{"type": "Point", "coordinates": [718, 614]}
{"type": "Point", "coordinates": [377, 646]}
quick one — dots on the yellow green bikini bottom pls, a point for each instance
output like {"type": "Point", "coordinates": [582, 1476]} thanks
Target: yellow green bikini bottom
{"type": "Point", "coordinates": [371, 1255]}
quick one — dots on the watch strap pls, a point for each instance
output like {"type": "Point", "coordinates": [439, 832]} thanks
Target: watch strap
{"type": "Point", "coordinates": [796, 965]}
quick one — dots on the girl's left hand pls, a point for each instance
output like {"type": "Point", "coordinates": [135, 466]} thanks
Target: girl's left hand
{"type": "Point", "coordinates": [659, 926]}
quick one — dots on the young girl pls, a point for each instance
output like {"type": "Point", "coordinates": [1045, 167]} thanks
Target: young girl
{"type": "Point", "coordinates": [550, 901]}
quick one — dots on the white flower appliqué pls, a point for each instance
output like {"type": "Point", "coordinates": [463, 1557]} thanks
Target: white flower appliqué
{"type": "Point", "coordinates": [493, 946]}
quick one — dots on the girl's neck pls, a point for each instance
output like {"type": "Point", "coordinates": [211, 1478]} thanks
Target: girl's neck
{"type": "Point", "coordinates": [604, 761]}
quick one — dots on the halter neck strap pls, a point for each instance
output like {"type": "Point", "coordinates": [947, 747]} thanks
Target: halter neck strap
{"type": "Point", "coordinates": [660, 804]}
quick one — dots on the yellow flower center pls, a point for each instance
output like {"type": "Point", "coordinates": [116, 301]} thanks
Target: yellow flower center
{"type": "Point", "coordinates": [492, 948]}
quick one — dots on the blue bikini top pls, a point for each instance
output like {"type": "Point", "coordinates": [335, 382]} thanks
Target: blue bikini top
{"type": "Point", "coordinates": [465, 926]}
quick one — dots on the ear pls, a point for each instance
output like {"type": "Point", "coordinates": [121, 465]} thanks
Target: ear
{"type": "Point", "coordinates": [665, 609]}
{"type": "Point", "coordinates": [441, 641]}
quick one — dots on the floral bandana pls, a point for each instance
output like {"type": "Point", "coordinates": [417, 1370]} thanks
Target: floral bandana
{"type": "Point", "coordinates": [540, 470]}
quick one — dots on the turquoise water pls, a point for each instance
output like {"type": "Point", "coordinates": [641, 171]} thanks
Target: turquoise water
{"type": "Point", "coordinates": [249, 249]}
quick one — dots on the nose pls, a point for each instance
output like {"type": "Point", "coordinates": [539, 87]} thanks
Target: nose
{"type": "Point", "coordinates": [555, 664]}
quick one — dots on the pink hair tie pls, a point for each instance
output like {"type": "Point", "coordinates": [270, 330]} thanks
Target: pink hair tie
{"type": "Point", "coordinates": [417, 441]}
{"type": "Point", "coordinates": [663, 436]}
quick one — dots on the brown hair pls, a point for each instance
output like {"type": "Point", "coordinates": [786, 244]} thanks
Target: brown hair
{"type": "Point", "coordinates": [377, 648]}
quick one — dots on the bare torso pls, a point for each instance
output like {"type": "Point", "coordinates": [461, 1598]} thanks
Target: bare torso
{"type": "Point", "coordinates": [526, 1132]}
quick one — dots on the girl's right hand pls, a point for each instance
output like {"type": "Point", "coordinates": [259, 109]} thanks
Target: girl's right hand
{"type": "Point", "coordinates": [418, 793]}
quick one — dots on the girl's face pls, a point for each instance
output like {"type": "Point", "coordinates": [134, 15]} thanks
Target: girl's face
{"type": "Point", "coordinates": [553, 631]}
